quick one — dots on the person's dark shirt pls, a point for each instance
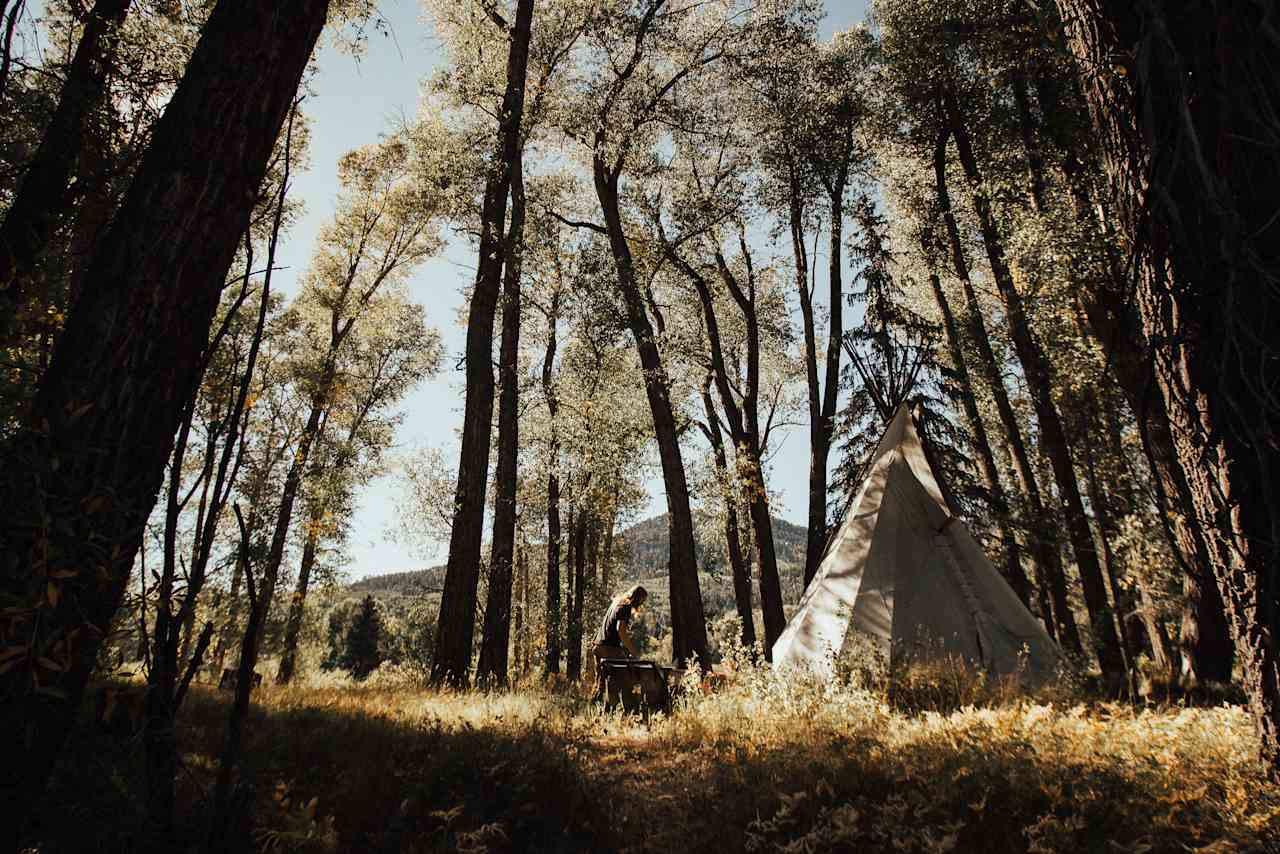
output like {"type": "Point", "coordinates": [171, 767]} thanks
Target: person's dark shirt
{"type": "Point", "coordinates": [619, 612]}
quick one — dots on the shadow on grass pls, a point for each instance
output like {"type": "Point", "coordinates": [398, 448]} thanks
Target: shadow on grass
{"type": "Point", "coordinates": [381, 782]}
{"type": "Point", "coordinates": [361, 769]}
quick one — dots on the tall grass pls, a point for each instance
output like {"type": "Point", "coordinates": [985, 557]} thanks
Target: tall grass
{"type": "Point", "coordinates": [767, 763]}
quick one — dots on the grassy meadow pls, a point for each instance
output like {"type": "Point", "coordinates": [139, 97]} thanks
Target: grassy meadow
{"type": "Point", "coordinates": [764, 764]}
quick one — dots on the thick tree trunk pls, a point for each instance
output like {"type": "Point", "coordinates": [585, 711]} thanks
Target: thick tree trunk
{"type": "Point", "coordinates": [1196, 193]}
{"type": "Point", "coordinates": [454, 636]}
{"type": "Point", "coordinates": [1053, 438]}
{"type": "Point", "coordinates": [1061, 621]}
{"type": "Point", "coordinates": [45, 196]}
{"type": "Point", "coordinates": [1013, 571]}
{"type": "Point", "coordinates": [688, 621]}
{"type": "Point", "coordinates": [496, 637]}
{"type": "Point", "coordinates": [1207, 648]}
{"type": "Point", "coordinates": [102, 423]}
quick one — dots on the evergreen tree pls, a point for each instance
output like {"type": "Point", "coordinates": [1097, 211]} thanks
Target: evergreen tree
{"type": "Point", "coordinates": [361, 651]}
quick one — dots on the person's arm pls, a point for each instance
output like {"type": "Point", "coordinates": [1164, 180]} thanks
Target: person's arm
{"type": "Point", "coordinates": [626, 641]}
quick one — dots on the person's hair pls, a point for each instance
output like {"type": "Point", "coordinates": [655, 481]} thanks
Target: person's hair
{"type": "Point", "coordinates": [635, 597]}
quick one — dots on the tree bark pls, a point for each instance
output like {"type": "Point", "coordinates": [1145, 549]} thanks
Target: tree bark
{"type": "Point", "coordinates": [816, 540]}
{"type": "Point", "coordinates": [102, 424]}
{"type": "Point", "coordinates": [822, 410]}
{"type": "Point", "coordinates": [552, 616]}
{"type": "Point", "coordinates": [520, 613]}
{"type": "Point", "coordinates": [1196, 194]}
{"type": "Point", "coordinates": [293, 622]}
{"type": "Point", "coordinates": [1061, 621]}
{"type": "Point", "coordinates": [492, 666]}
{"type": "Point", "coordinates": [452, 662]}
{"type": "Point", "coordinates": [578, 596]}
{"type": "Point", "coordinates": [1038, 375]}
{"type": "Point", "coordinates": [1113, 318]}
{"type": "Point", "coordinates": [1101, 504]}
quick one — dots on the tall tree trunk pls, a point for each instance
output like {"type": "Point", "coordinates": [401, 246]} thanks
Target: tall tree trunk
{"type": "Point", "coordinates": [1013, 571]}
{"type": "Point", "coordinates": [573, 656]}
{"type": "Point", "coordinates": [520, 614]}
{"type": "Point", "coordinates": [816, 538]}
{"type": "Point", "coordinates": [552, 616]}
{"type": "Point", "coordinates": [1101, 504]}
{"type": "Point", "coordinates": [822, 410]}
{"type": "Point", "coordinates": [1062, 622]}
{"type": "Point", "coordinates": [221, 833]}
{"type": "Point", "coordinates": [454, 637]}
{"type": "Point", "coordinates": [102, 424]}
{"type": "Point", "coordinates": [297, 603]}
{"type": "Point", "coordinates": [45, 194]}
{"type": "Point", "coordinates": [492, 666]}
{"type": "Point", "coordinates": [1195, 192]}
{"type": "Point", "coordinates": [1207, 647]}
{"type": "Point", "coordinates": [570, 578]}
{"type": "Point", "coordinates": [1038, 375]}
{"type": "Point", "coordinates": [688, 620]}
{"type": "Point", "coordinates": [744, 430]}
{"type": "Point", "coordinates": [738, 568]}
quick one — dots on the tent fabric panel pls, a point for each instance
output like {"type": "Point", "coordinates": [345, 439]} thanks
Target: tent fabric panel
{"type": "Point", "coordinates": [816, 632]}
{"type": "Point", "coordinates": [1012, 627]}
{"type": "Point", "coordinates": [901, 437]}
{"type": "Point", "coordinates": [871, 614]}
{"type": "Point", "coordinates": [932, 616]}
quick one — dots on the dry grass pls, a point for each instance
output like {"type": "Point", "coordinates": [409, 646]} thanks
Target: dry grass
{"type": "Point", "coordinates": [765, 765]}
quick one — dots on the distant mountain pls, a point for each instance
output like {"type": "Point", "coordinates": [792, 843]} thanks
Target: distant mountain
{"type": "Point", "coordinates": [643, 549]}
{"type": "Point", "coordinates": [645, 546]}
{"type": "Point", "coordinates": [429, 580]}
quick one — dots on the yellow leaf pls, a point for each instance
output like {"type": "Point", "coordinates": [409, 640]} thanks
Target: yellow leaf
{"type": "Point", "coordinates": [52, 593]}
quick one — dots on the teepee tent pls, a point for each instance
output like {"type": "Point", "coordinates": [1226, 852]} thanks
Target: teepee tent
{"type": "Point", "coordinates": [904, 575]}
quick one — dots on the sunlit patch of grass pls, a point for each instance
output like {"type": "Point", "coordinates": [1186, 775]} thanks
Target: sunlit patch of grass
{"type": "Point", "coordinates": [770, 762]}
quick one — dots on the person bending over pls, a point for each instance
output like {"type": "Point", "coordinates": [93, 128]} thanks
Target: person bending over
{"type": "Point", "coordinates": [613, 641]}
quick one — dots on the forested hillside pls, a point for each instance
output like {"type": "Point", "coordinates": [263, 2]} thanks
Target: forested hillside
{"type": "Point", "coordinates": [989, 288]}
{"type": "Point", "coordinates": [642, 554]}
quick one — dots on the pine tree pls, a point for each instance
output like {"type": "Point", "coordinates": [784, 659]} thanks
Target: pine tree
{"type": "Point", "coordinates": [361, 650]}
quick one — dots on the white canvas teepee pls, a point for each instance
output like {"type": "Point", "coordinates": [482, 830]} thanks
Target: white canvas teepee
{"type": "Point", "coordinates": [904, 575]}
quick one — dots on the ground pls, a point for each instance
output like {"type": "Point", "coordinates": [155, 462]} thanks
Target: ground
{"type": "Point", "coordinates": [763, 765]}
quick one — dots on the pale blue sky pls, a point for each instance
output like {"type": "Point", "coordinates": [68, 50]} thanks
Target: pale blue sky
{"type": "Point", "coordinates": [353, 102]}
